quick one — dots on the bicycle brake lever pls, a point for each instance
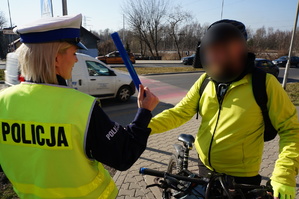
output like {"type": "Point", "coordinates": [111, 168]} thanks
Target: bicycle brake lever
{"type": "Point", "coordinates": [159, 183]}
{"type": "Point", "coordinates": [171, 181]}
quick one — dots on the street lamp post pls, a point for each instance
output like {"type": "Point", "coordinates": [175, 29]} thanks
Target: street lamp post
{"type": "Point", "coordinates": [10, 36]}
{"type": "Point", "coordinates": [286, 73]}
{"type": "Point", "coordinates": [9, 13]}
{"type": "Point", "coordinates": [222, 9]}
{"type": "Point", "coordinates": [64, 7]}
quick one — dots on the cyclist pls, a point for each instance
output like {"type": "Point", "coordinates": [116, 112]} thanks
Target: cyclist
{"type": "Point", "coordinates": [230, 137]}
{"type": "Point", "coordinates": [54, 138]}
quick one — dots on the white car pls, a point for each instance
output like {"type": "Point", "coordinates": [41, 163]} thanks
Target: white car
{"type": "Point", "coordinates": [89, 75]}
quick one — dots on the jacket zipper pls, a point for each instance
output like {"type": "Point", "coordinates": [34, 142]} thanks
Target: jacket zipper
{"type": "Point", "coordinates": [221, 91]}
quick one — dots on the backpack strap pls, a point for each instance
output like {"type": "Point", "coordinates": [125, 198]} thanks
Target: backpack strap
{"type": "Point", "coordinates": [261, 98]}
{"type": "Point", "coordinates": [204, 85]}
{"type": "Point", "coordinates": [201, 90]}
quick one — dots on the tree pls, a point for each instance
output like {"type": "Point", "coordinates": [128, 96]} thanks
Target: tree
{"type": "Point", "coordinates": [106, 44]}
{"type": "Point", "coordinates": [175, 19]}
{"type": "Point", "coordinates": [263, 40]}
{"type": "Point", "coordinates": [3, 41]}
{"type": "Point", "coordinates": [176, 33]}
{"type": "Point", "coordinates": [259, 37]}
{"type": "Point", "coordinates": [146, 19]}
{"type": "Point", "coordinates": [2, 20]}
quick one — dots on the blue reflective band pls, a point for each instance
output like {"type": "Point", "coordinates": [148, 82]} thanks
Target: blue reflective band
{"type": "Point", "coordinates": [52, 35]}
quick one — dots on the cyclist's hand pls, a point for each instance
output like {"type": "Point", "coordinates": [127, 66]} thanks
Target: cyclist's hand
{"type": "Point", "coordinates": [282, 191]}
{"type": "Point", "coordinates": [148, 101]}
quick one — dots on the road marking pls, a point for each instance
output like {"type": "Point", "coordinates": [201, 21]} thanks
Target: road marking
{"type": "Point", "coordinates": [167, 93]}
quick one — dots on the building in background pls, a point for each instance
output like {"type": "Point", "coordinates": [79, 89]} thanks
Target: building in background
{"type": "Point", "coordinates": [6, 41]}
{"type": "Point", "coordinates": [91, 41]}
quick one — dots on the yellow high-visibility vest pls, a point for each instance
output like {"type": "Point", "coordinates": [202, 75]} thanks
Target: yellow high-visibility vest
{"type": "Point", "coordinates": [42, 144]}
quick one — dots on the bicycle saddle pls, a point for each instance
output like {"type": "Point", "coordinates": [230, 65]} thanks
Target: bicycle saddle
{"type": "Point", "coordinates": [186, 139]}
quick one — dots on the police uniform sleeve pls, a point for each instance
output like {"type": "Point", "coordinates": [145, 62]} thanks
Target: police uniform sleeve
{"type": "Point", "coordinates": [114, 145]}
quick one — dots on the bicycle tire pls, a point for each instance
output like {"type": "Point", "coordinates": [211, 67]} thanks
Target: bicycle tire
{"type": "Point", "coordinates": [174, 166]}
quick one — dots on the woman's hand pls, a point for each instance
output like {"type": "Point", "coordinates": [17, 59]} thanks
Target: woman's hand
{"type": "Point", "coordinates": [146, 99]}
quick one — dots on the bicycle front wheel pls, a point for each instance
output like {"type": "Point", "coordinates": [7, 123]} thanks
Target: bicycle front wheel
{"type": "Point", "coordinates": [174, 166]}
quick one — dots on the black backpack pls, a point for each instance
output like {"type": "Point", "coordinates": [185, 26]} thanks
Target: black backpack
{"type": "Point", "coordinates": [261, 98]}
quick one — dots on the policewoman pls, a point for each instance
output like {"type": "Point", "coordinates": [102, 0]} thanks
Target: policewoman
{"type": "Point", "coordinates": [54, 138]}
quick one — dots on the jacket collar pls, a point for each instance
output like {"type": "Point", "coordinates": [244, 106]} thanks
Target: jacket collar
{"type": "Point", "coordinates": [61, 80]}
{"type": "Point", "coordinates": [244, 80]}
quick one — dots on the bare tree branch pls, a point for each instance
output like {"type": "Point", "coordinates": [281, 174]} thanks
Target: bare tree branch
{"type": "Point", "coordinates": [175, 19]}
{"type": "Point", "coordinates": [146, 17]}
{"type": "Point", "coordinates": [2, 20]}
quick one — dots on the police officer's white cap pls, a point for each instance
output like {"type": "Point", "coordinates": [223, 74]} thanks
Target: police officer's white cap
{"type": "Point", "coordinates": [65, 28]}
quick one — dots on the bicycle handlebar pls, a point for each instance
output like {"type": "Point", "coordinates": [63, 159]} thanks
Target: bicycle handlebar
{"type": "Point", "coordinates": [162, 174]}
{"type": "Point", "coordinates": [151, 172]}
{"type": "Point", "coordinates": [146, 171]}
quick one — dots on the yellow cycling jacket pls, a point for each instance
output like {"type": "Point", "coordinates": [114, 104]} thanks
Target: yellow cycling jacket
{"type": "Point", "coordinates": [237, 144]}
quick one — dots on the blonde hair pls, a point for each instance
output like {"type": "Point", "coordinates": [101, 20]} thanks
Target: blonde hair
{"type": "Point", "coordinates": [37, 60]}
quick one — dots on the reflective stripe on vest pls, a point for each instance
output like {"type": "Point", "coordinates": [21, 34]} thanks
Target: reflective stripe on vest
{"type": "Point", "coordinates": [108, 190]}
{"type": "Point", "coordinates": [42, 136]}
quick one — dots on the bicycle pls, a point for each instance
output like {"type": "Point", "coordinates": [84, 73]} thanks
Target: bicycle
{"type": "Point", "coordinates": [179, 182]}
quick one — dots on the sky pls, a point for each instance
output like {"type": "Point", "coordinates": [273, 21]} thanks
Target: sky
{"type": "Point", "coordinates": [102, 14]}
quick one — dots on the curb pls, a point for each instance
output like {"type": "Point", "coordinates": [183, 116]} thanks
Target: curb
{"type": "Point", "coordinates": [116, 175]}
{"type": "Point", "coordinates": [173, 73]}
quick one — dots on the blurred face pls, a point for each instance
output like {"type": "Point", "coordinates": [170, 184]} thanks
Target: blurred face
{"type": "Point", "coordinates": [226, 59]}
{"type": "Point", "coordinates": [65, 62]}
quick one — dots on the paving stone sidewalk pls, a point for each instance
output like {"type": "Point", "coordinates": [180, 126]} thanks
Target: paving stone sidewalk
{"type": "Point", "coordinates": [132, 185]}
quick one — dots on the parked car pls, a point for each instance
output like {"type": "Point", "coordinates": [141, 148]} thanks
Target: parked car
{"type": "Point", "coordinates": [89, 75]}
{"type": "Point", "coordinates": [267, 66]}
{"type": "Point", "coordinates": [188, 60]}
{"type": "Point", "coordinates": [138, 56]}
{"type": "Point", "coordinates": [115, 58]}
{"type": "Point", "coordinates": [282, 61]}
